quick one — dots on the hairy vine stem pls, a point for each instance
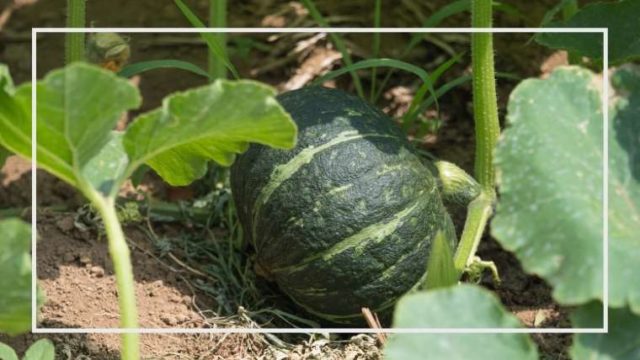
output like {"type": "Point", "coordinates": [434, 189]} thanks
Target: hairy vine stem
{"type": "Point", "coordinates": [485, 103]}
{"type": "Point", "coordinates": [485, 110]}
{"type": "Point", "coordinates": [74, 42]}
{"type": "Point", "coordinates": [218, 19]}
{"type": "Point", "coordinates": [121, 257]}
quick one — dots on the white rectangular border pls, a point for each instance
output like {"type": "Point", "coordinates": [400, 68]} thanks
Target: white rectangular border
{"type": "Point", "coordinates": [605, 200]}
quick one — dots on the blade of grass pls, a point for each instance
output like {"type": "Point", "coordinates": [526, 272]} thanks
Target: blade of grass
{"type": "Point", "coordinates": [411, 114]}
{"type": "Point", "coordinates": [453, 8]}
{"type": "Point", "coordinates": [376, 47]}
{"type": "Point", "coordinates": [455, 83]}
{"type": "Point", "coordinates": [443, 90]}
{"type": "Point", "coordinates": [513, 11]}
{"type": "Point", "coordinates": [434, 20]}
{"type": "Point", "coordinates": [212, 42]}
{"type": "Point", "coordinates": [337, 41]}
{"type": "Point", "coordinates": [549, 15]}
{"type": "Point", "coordinates": [140, 67]}
{"type": "Point", "coordinates": [392, 63]}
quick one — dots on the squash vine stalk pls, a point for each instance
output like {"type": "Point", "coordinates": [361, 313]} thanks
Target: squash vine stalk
{"type": "Point", "coordinates": [487, 127]}
{"type": "Point", "coordinates": [120, 255]}
{"type": "Point", "coordinates": [218, 19]}
{"type": "Point", "coordinates": [74, 42]}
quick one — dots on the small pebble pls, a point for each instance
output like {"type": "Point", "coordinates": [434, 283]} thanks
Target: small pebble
{"type": "Point", "coordinates": [182, 318]}
{"type": "Point", "coordinates": [97, 271]}
{"type": "Point", "coordinates": [65, 224]}
{"type": "Point", "coordinates": [84, 259]}
{"type": "Point", "coordinates": [69, 257]}
{"type": "Point", "coordinates": [169, 320]}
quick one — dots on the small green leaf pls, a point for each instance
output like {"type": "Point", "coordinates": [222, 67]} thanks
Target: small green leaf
{"type": "Point", "coordinates": [213, 122]}
{"type": "Point", "coordinates": [140, 67]}
{"type": "Point", "coordinates": [441, 271]}
{"type": "Point", "coordinates": [622, 342]}
{"type": "Point", "coordinates": [464, 306]}
{"type": "Point", "coordinates": [550, 181]}
{"type": "Point", "coordinates": [7, 353]}
{"type": "Point", "coordinates": [15, 290]}
{"type": "Point", "coordinates": [624, 189]}
{"type": "Point", "coordinates": [621, 18]}
{"type": "Point", "coordinates": [42, 349]}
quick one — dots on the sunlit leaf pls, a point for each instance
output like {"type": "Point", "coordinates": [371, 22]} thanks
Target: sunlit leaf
{"type": "Point", "coordinates": [550, 166]}
{"type": "Point", "coordinates": [7, 353]}
{"type": "Point", "coordinates": [464, 306]}
{"type": "Point", "coordinates": [15, 120]}
{"type": "Point", "coordinates": [42, 349]}
{"type": "Point", "coordinates": [622, 342]}
{"type": "Point", "coordinates": [213, 122]}
{"type": "Point", "coordinates": [15, 282]}
{"type": "Point", "coordinates": [624, 189]}
{"type": "Point", "coordinates": [77, 108]}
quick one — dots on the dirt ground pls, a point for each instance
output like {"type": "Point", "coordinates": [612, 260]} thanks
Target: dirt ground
{"type": "Point", "coordinates": [73, 265]}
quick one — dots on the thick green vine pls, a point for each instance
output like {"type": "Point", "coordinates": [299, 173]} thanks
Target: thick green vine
{"type": "Point", "coordinates": [487, 127]}
{"type": "Point", "coordinates": [74, 42]}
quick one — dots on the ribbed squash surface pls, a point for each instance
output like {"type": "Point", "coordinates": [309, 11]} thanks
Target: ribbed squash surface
{"type": "Point", "coordinates": [346, 219]}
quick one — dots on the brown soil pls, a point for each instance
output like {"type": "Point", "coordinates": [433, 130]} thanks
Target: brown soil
{"type": "Point", "coordinates": [73, 265]}
{"type": "Point", "coordinates": [76, 274]}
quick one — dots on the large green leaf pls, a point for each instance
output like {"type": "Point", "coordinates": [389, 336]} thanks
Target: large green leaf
{"type": "Point", "coordinates": [464, 306]}
{"type": "Point", "coordinates": [624, 190]}
{"type": "Point", "coordinates": [621, 18]}
{"type": "Point", "coordinates": [213, 122]}
{"type": "Point", "coordinates": [562, 245]}
{"type": "Point", "coordinates": [15, 281]}
{"type": "Point", "coordinates": [622, 342]}
{"type": "Point", "coordinates": [550, 166]}
{"type": "Point", "coordinates": [79, 106]}
{"type": "Point", "coordinates": [77, 109]}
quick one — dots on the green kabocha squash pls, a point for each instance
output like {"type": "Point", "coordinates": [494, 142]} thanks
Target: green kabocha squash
{"type": "Point", "coordinates": [345, 220]}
